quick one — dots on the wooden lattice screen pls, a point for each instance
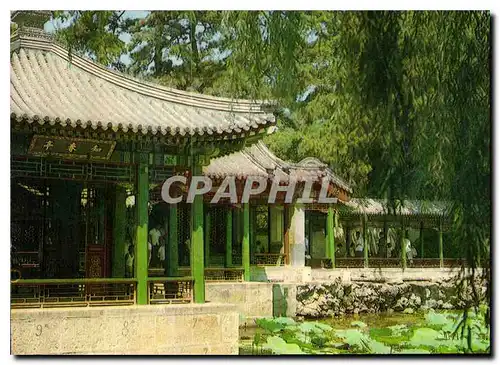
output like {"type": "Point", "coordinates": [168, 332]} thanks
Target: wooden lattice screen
{"type": "Point", "coordinates": [217, 235]}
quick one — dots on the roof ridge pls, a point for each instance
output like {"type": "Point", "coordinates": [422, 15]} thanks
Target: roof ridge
{"type": "Point", "coordinates": [247, 153]}
{"type": "Point", "coordinates": [263, 148]}
{"type": "Point", "coordinates": [28, 38]}
{"type": "Point", "coordinates": [299, 166]}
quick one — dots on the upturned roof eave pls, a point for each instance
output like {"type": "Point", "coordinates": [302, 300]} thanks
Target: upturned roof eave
{"type": "Point", "coordinates": [214, 122]}
{"type": "Point", "coordinates": [46, 42]}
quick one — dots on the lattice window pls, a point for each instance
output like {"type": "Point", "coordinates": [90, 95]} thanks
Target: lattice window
{"type": "Point", "coordinates": [260, 241]}
{"type": "Point", "coordinates": [22, 166]}
{"type": "Point", "coordinates": [28, 202]}
{"type": "Point", "coordinates": [217, 235]}
{"type": "Point", "coordinates": [158, 174]}
{"type": "Point", "coordinates": [130, 218]}
{"type": "Point", "coordinates": [237, 236]}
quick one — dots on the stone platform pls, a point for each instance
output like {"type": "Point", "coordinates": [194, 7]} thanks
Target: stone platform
{"type": "Point", "coordinates": [190, 329]}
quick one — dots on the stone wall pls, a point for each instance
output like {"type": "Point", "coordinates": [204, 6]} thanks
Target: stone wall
{"type": "Point", "coordinates": [252, 299]}
{"type": "Point", "coordinates": [284, 300]}
{"type": "Point", "coordinates": [287, 274]}
{"type": "Point", "coordinates": [350, 293]}
{"type": "Point", "coordinates": [192, 329]}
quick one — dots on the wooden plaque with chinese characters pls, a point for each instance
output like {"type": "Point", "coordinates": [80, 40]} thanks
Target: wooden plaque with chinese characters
{"type": "Point", "coordinates": [78, 148]}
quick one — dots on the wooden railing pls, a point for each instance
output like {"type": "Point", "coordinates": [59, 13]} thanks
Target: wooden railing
{"type": "Point", "coordinates": [435, 262]}
{"type": "Point", "coordinates": [349, 262]}
{"type": "Point", "coordinates": [217, 273]}
{"type": "Point", "coordinates": [376, 262]}
{"type": "Point", "coordinates": [268, 259]}
{"type": "Point", "coordinates": [44, 293]}
{"type": "Point", "coordinates": [176, 290]}
{"type": "Point", "coordinates": [25, 259]}
{"type": "Point", "coordinates": [224, 274]}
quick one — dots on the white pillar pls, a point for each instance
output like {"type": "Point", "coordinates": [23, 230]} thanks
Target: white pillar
{"type": "Point", "coordinates": [297, 236]}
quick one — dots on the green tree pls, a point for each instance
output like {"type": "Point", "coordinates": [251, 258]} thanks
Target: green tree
{"type": "Point", "coordinates": [94, 34]}
{"type": "Point", "coordinates": [395, 102]}
{"type": "Point", "coordinates": [182, 49]}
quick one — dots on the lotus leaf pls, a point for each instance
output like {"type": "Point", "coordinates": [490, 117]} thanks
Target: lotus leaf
{"type": "Point", "coordinates": [414, 351]}
{"type": "Point", "coordinates": [425, 337]}
{"type": "Point", "coordinates": [308, 327]}
{"type": "Point", "coordinates": [285, 321]}
{"type": "Point", "coordinates": [378, 347]}
{"type": "Point", "coordinates": [358, 324]}
{"type": "Point", "coordinates": [278, 346]}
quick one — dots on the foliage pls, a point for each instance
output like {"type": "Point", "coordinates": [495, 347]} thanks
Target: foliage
{"type": "Point", "coordinates": [94, 34]}
{"type": "Point", "coordinates": [181, 49]}
{"type": "Point", "coordinates": [358, 324]}
{"type": "Point", "coordinates": [436, 333]}
{"type": "Point", "coordinates": [280, 347]}
{"type": "Point", "coordinates": [385, 98]}
{"type": "Point", "coordinates": [397, 103]}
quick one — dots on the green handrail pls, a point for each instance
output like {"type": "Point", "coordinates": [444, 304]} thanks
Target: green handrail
{"type": "Point", "coordinates": [75, 281]}
{"type": "Point", "coordinates": [162, 279]}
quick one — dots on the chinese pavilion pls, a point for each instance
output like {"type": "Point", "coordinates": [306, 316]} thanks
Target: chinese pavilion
{"type": "Point", "coordinates": [85, 140]}
{"type": "Point", "coordinates": [90, 150]}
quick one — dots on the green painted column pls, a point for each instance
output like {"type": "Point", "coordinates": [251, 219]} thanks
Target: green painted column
{"type": "Point", "coordinates": [441, 256]}
{"type": "Point", "coordinates": [365, 243]}
{"type": "Point", "coordinates": [330, 235]}
{"type": "Point", "coordinates": [197, 246]}
{"type": "Point", "coordinates": [120, 247]}
{"type": "Point", "coordinates": [422, 240]}
{"type": "Point", "coordinates": [251, 230]}
{"type": "Point", "coordinates": [141, 249]}
{"type": "Point", "coordinates": [229, 237]}
{"type": "Point", "coordinates": [207, 235]}
{"type": "Point", "coordinates": [173, 242]}
{"type": "Point", "coordinates": [403, 248]}
{"type": "Point", "coordinates": [245, 250]}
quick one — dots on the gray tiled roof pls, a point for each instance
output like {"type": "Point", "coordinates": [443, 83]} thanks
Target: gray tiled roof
{"type": "Point", "coordinates": [408, 207]}
{"type": "Point", "coordinates": [47, 87]}
{"type": "Point", "coordinates": [258, 160]}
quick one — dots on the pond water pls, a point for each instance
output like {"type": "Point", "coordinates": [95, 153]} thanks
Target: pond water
{"type": "Point", "coordinates": [395, 333]}
{"type": "Point", "coordinates": [343, 322]}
